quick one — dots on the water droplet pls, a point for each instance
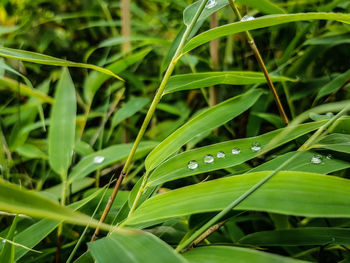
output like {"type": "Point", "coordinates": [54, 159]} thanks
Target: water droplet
{"type": "Point", "coordinates": [99, 159]}
{"type": "Point", "coordinates": [316, 159]}
{"type": "Point", "coordinates": [4, 241]}
{"type": "Point", "coordinates": [210, 4]}
{"type": "Point", "coordinates": [208, 158]}
{"type": "Point", "coordinates": [247, 18]}
{"type": "Point", "coordinates": [256, 147]}
{"type": "Point", "coordinates": [192, 165]}
{"type": "Point", "coordinates": [236, 151]}
{"type": "Point", "coordinates": [220, 154]}
{"type": "Point", "coordinates": [329, 114]}
{"type": "Point", "coordinates": [329, 156]}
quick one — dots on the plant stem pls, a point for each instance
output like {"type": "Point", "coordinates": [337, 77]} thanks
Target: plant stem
{"type": "Point", "coordinates": [149, 115]}
{"type": "Point", "coordinates": [245, 195]}
{"type": "Point", "coordinates": [262, 65]}
{"type": "Point", "coordinates": [60, 226]}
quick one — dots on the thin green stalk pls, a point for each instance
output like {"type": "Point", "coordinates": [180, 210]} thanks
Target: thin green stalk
{"type": "Point", "coordinates": [244, 196]}
{"type": "Point", "coordinates": [60, 226]}
{"type": "Point", "coordinates": [150, 113]}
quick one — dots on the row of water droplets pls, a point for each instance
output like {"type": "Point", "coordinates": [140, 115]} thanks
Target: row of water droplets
{"type": "Point", "coordinates": [318, 159]}
{"type": "Point", "coordinates": [220, 154]}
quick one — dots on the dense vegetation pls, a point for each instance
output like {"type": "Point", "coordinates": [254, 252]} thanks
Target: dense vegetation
{"type": "Point", "coordinates": [219, 126]}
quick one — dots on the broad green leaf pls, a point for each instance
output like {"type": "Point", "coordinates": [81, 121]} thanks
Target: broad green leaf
{"type": "Point", "coordinates": [206, 121]}
{"type": "Point", "coordinates": [334, 85]}
{"type": "Point", "coordinates": [311, 197]}
{"type": "Point", "coordinates": [15, 199]}
{"type": "Point", "coordinates": [95, 79]}
{"type": "Point", "coordinates": [176, 167]}
{"type": "Point", "coordinates": [304, 236]}
{"type": "Point", "coordinates": [48, 60]}
{"type": "Point", "coordinates": [107, 157]}
{"type": "Point", "coordinates": [223, 254]}
{"type": "Point", "coordinates": [335, 142]}
{"type": "Point", "coordinates": [62, 125]}
{"type": "Point", "coordinates": [261, 22]}
{"type": "Point", "coordinates": [134, 247]}
{"type": "Point", "coordinates": [303, 163]}
{"type": "Point", "coordinates": [207, 79]}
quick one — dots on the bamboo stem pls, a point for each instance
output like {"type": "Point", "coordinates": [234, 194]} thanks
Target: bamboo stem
{"type": "Point", "coordinates": [149, 115]}
{"type": "Point", "coordinates": [214, 54]}
{"type": "Point", "coordinates": [262, 66]}
{"type": "Point", "coordinates": [126, 24]}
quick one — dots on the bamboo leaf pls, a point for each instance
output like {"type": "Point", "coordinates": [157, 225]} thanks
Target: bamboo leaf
{"type": "Point", "coordinates": [261, 22]}
{"type": "Point", "coordinates": [335, 142]}
{"type": "Point", "coordinates": [134, 247]}
{"type": "Point", "coordinates": [176, 167]}
{"type": "Point", "coordinates": [334, 85]}
{"type": "Point", "coordinates": [48, 60]}
{"type": "Point", "coordinates": [274, 196]}
{"type": "Point", "coordinates": [223, 254]}
{"type": "Point", "coordinates": [303, 163]}
{"type": "Point", "coordinates": [62, 125]}
{"type": "Point", "coordinates": [206, 121]}
{"type": "Point", "coordinates": [207, 79]}
{"type": "Point", "coordinates": [305, 236]}
{"type": "Point", "coordinates": [106, 157]}
{"type": "Point", "coordinates": [18, 200]}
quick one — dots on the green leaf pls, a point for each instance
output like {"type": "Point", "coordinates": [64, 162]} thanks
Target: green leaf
{"type": "Point", "coordinates": [62, 125]}
{"type": "Point", "coordinates": [304, 236]}
{"type": "Point", "coordinates": [106, 157]}
{"type": "Point", "coordinates": [206, 121]}
{"type": "Point", "coordinates": [176, 167]}
{"type": "Point", "coordinates": [310, 194]}
{"type": "Point", "coordinates": [207, 79]}
{"type": "Point", "coordinates": [261, 22]}
{"type": "Point", "coordinates": [8, 251]}
{"type": "Point", "coordinates": [95, 79]}
{"type": "Point", "coordinates": [134, 247]}
{"type": "Point", "coordinates": [223, 254]}
{"type": "Point", "coordinates": [48, 60]}
{"type": "Point", "coordinates": [303, 163]}
{"type": "Point", "coordinates": [31, 151]}
{"type": "Point", "coordinates": [336, 142]}
{"type": "Point", "coordinates": [333, 85]}
{"type": "Point", "coordinates": [15, 199]}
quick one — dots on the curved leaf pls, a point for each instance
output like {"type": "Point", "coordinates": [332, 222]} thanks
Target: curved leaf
{"type": "Point", "coordinates": [207, 79]}
{"type": "Point", "coordinates": [48, 60]}
{"type": "Point", "coordinates": [223, 254]}
{"type": "Point", "coordinates": [261, 22]}
{"type": "Point", "coordinates": [311, 197]}
{"type": "Point", "coordinates": [304, 236]}
{"type": "Point", "coordinates": [206, 121]}
{"type": "Point", "coordinates": [176, 167]}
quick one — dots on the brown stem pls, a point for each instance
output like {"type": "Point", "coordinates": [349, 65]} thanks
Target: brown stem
{"type": "Point", "coordinates": [109, 204]}
{"type": "Point", "coordinates": [262, 66]}
{"type": "Point", "coordinates": [58, 250]}
{"type": "Point", "coordinates": [207, 233]}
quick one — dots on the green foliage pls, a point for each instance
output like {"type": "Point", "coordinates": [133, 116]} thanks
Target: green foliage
{"type": "Point", "coordinates": [186, 113]}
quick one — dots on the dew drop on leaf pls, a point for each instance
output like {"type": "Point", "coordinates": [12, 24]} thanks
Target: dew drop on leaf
{"type": "Point", "coordinates": [99, 159]}
{"type": "Point", "coordinates": [192, 165]}
{"type": "Point", "coordinates": [210, 4]}
{"type": "Point", "coordinates": [255, 147]}
{"type": "Point", "coordinates": [329, 156]}
{"type": "Point", "coordinates": [247, 18]}
{"type": "Point", "coordinates": [220, 154]}
{"type": "Point", "coordinates": [316, 159]}
{"type": "Point", "coordinates": [208, 158]}
{"type": "Point", "coordinates": [236, 151]}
